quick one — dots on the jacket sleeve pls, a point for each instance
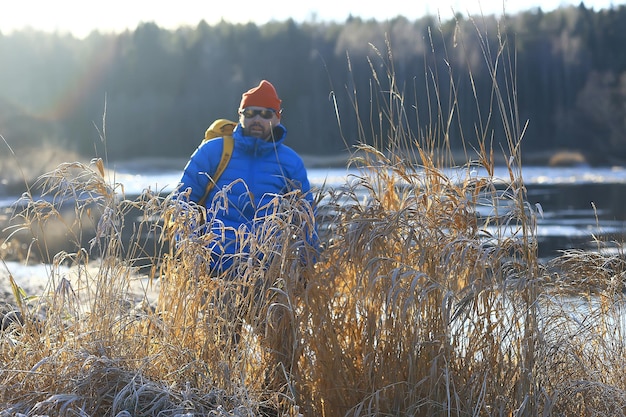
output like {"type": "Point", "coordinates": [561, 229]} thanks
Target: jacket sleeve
{"type": "Point", "coordinates": [300, 177]}
{"type": "Point", "coordinates": [199, 168]}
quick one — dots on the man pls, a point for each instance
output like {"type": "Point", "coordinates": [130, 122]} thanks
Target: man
{"type": "Point", "coordinates": [261, 168]}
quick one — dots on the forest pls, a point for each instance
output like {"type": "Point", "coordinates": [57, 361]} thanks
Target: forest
{"type": "Point", "coordinates": [152, 92]}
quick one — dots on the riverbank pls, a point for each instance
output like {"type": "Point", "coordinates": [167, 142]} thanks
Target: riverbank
{"type": "Point", "coordinates": [399, 262]}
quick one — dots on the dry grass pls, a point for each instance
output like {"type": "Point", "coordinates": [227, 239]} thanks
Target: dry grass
{"type": "Point", "coordinates": [417, 306]}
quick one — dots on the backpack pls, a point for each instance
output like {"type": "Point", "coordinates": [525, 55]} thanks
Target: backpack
{"type": "Point", "coordinates": [219, 128]}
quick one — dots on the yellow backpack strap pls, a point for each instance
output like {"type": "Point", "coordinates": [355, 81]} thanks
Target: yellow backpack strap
{"type": "Point", "coordinates": [224, 128]}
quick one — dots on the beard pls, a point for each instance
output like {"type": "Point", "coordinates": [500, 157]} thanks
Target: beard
{"type": "Point", "coordinates": [256, 130]}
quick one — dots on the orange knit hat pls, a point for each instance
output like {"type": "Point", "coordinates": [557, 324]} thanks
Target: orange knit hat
{"type": "Point", "coordinates": [264, 95]}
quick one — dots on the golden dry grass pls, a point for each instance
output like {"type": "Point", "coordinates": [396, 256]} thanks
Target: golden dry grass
{"type": "Point", "coordinates": [417, 306]}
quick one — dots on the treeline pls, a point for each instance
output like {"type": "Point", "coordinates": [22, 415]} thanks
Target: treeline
{"type": "Point", "coordinates": [153, 92]}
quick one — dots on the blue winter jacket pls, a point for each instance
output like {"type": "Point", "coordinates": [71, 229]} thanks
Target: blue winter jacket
{"type": "Point", "coordinates": [257, 172]}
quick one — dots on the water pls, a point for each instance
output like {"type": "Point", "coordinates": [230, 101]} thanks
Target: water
{"type": "Point", "coordinates": [574, 204]}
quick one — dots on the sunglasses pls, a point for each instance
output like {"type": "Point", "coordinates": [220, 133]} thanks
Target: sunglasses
{"type": "Point", "coordinates": [264, 113]}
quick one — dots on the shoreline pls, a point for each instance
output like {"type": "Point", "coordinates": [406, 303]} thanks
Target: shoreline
{"type": "Point", "coordinates": [14, 180]}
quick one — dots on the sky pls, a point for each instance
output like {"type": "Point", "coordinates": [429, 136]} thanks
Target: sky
{"type": "Point", "coordinates": [80, 17]}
